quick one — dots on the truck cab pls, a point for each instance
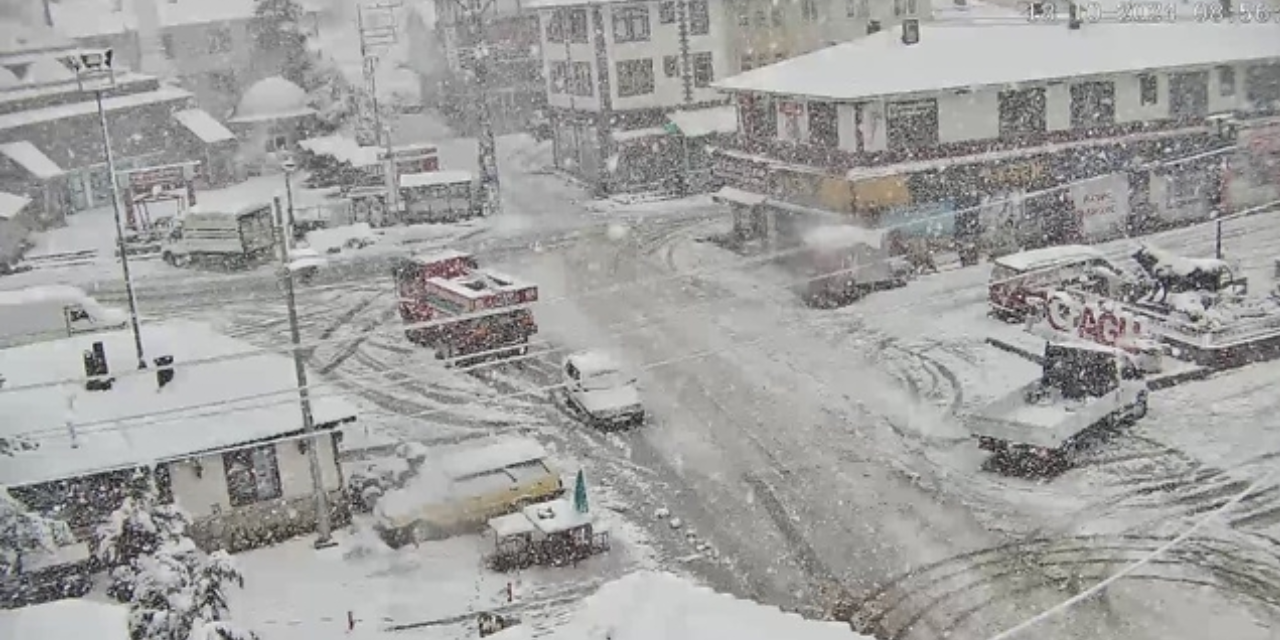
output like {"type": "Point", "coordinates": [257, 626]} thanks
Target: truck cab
{"type": "Point", "coordinates": [1084, 389]}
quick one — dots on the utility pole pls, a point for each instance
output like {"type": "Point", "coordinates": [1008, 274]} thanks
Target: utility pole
{"type": "Point", "coordinates": [324, 535]}
{"type": "Point", "coordinates": [490, 185]}
{"type": "Point", "coordinates": [376, 24]}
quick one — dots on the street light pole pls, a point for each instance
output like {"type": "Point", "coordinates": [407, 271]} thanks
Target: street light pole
{"type": "Point", "coordinates": [99, 64]}
{"type": "Point", "coordinates": [324, 534]}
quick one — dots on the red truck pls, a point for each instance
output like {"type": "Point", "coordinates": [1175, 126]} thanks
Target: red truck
{"type": "Point", "coordinates": [451, 284]}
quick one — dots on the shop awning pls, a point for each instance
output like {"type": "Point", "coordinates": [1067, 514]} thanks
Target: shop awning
{"type": "Point", "coordinates": [704, 122]}
{"type": "Point", "coordinates": [11, 205]}
{"type": "Point", "coordinates": [27, 156]}
{"type": "Point", "coordinates": [204, 126]}
{"type": "Point", "coordinates": [730, 195]}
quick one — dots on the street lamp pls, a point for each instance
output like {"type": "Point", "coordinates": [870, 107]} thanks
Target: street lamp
{"type": "Point", "coordinates": [94, 73]}
{"type": "Point", "coordinates": [324, 534]}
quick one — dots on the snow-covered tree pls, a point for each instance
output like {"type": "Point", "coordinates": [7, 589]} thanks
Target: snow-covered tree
{"type": "Point", "coordinates": [139, 526]}
{"type": "Point", "coordinates": [179, 593]}
{"type": "Point", "coordinates": [278, 33]}
{"type": "Point", "coordinates": [23, 534]}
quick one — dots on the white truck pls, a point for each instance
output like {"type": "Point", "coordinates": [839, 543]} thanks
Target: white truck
{"type": "Point", "coordinates": [231, 238]}
{"type": "Point", "coordinates": [1085, 389]}
{"type": "Point", "coordinates": [36, 314]}
{"type": "Point", "coordinates": [598, 386]}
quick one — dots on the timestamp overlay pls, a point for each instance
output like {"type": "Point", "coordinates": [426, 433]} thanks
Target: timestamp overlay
{"type": "Point", "coordinates": [1167, 11]}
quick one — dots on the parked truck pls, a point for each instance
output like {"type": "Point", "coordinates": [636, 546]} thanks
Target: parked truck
{"type": "Point", "coordinates": [843, 263]}
{"type": "Point", "coordinates": [1084, 389]}
{"type": "Point", "coordinates": [230, 238]}
{"type": "Point", "coordinates": [471, 312]}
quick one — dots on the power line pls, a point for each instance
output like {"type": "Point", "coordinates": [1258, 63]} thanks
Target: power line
{"type": "Point", "coordinates": [645, 323]}
{"type": "Point", "coordinates": [1137, 564]}
{"type": "Point", "coordinates": [764, 258]}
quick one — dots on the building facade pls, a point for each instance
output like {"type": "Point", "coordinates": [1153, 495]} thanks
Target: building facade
{"type": "Point", "coordinates": [886, 146]}
{"type": "Point", "coordinates": [622, 77]}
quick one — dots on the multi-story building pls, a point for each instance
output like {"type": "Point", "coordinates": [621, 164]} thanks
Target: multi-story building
{"type": "Point", "coordinates": [204, 46]}
{"type": "Point", "coordinates": [629, 84]}
{"type": "Point", "coordinates": [891, 128]}
{"type": "Point", "coordinates": [514, 83]}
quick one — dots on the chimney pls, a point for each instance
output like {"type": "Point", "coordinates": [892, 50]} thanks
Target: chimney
{"type": "Point", "coordinates": [910, 31]}
{"type": "Point", "coordinates": [164, 371]}
{"type": "Point", "coordinates": [95, 368]}
{"type": "Point", "coordinates": [873, 26]}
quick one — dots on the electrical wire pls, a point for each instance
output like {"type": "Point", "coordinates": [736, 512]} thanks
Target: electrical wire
{"type": "Point", "coordinates": [761, 259]}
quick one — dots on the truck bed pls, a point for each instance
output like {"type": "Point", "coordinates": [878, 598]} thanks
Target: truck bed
{"type": "Point", "coordinates": [1046, 423]}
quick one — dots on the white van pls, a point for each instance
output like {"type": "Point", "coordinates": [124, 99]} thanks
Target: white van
{"type": "Point", "coordinates": [599, 387]}
{"type": "Point", "coordinates": [1019, 281]}
{"type": "Point", "coordinates": [36, 314]}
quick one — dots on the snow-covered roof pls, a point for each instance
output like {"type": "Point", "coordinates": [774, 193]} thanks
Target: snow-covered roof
{"type": "Point", "coordinates": [440, 256]}
{"type": "Point", "coordinates": [115, 103]}
{"type": "Point", "coordinates": [738, 196]}
{"type": "Point", "coordinates": [47, 69]}
{"type": "Point", "coordinates": [54, 86]}
{"type": "Point", "coordinates": [647, 605]}
{"type": "Point", "coordinates": [1048, 257]}
{"type": "Point", "coordinates": [30, 158]}
{"type": "Point", "coordinates": [272, 98]}
{"type": "Point", "coordinates": [468, 459]}
{"type": "Point", "coordinates": [11, 205]}
{"type": "Point", "coordinates": [557, 516]}
{"type": "Point", "coordinates": [82, 18]}
{"type": "Point", "coordinates": [204, 126]}
{"type": "Point", "coordinates": [56, 292]}
{"type": "Point", "coordinates": [594, 362]}
{"type": "Point", "coordinates": [69, 618]}
{"type": "Point", "coordinates": [478, 284]}
{"type": "Point", "coordinates": [703, 122]}
{"type": "Point", "coordinates": [434, 178]}
{"type": "Point", "coordinates": [842, 236]}
{"type": "Point", "coordinates": [342, 149]}
{"type": "Point", "coordinates": [967, 56]}
{"type": "Point", "coordinates": [512, 524]}
{"type": "Point", "coordinates": [197, 411]}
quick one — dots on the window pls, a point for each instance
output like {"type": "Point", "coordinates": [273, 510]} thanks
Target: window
{"type": "Point", "coordinates": [631, 24]}
{"type": "Point", "coordinates": [703, 71]}
{"type": "Point", "coordinates": [1262, 84]}
{"type": "Point", "coordinates": [580, 83]}
{"type": "Point", "coordinates": [762, 18]}
{"type": "Point", "coordinates": [223, 82]}
{"type": "Point", "coordinates": [1148, 89]}
{"type": "Point", "coordinates": [779, 56]}
{"type": "Point", "coordinates": [1189, 94]}
{"type": "Point", "coordinates": [824, 129]}
{"type": "Point", "coordinates": [558, 77]}
{"type": "Point", "coordinates": [1093, 104]}
{"type": "Point", "coordinates": [635, 77]}
{"type": "Point", "coordinates": [219, 40]}
{"type": "Point", "coordinates": [556, 27]}
{"type": "Point", "coordinates": [857, 8]}
{"type": "Point", "coordinates": [809, 10]}
{"type": "Point", "coordinates": [699, 18]}
{"type": "Point", "coordinates": [912, 124]}
{"type": "Point", "coordinates": [670, 66]}
{"type": "Point", "coordinates": [1022, 113]}
{"type": "Point", "coordinates": [759, 117]}
{"type": "Point", "coordinates": [166, 44]}
{"type": "Point", "coordinates": [253, 475]}
{"type": "Point", "coordinates": [277, 142]}
{"type": "Point", "coordinates": [903, 8]}
{"type": "Point", "coordinates": [578, 25]}
{"type": "Point", "coordinates": [667, 12]}
{"type": "Point", "coordinates": [1226, 81]}
{"type": "Point", "coordinates": [1186, 188]}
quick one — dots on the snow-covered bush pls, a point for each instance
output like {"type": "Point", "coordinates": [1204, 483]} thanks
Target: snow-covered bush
{"type": "Point", "coordinates": [139, 526]}
{"type": "Point", "coordinates": [24, 534]}
{"type": "Point", "coordinates": [178, 593]}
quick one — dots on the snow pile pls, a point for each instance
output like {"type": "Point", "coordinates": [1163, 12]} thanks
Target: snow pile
{"type": "Point", "coordinates": [354, 236]}
{"type": "Point", "coordinates": [342, 149]}
{"type": "Point", "coordinates": [648, 605]}
{"type": "Point", "coordinates": [47, 70]}
{"type": "Point", "coordinates": [70, 618]}
{"type": "Point", "coordinates": [1181, 266]}
{"type": "Point", "coordinates": [844, 236]}
{"type": "Point", "coordinates": [272, 98]}
{"type": "Point", "coordinates": [1207, 311]}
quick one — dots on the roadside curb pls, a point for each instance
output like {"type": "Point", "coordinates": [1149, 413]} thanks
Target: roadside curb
{"type": "Point", "coordinates": [1156, 383]}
